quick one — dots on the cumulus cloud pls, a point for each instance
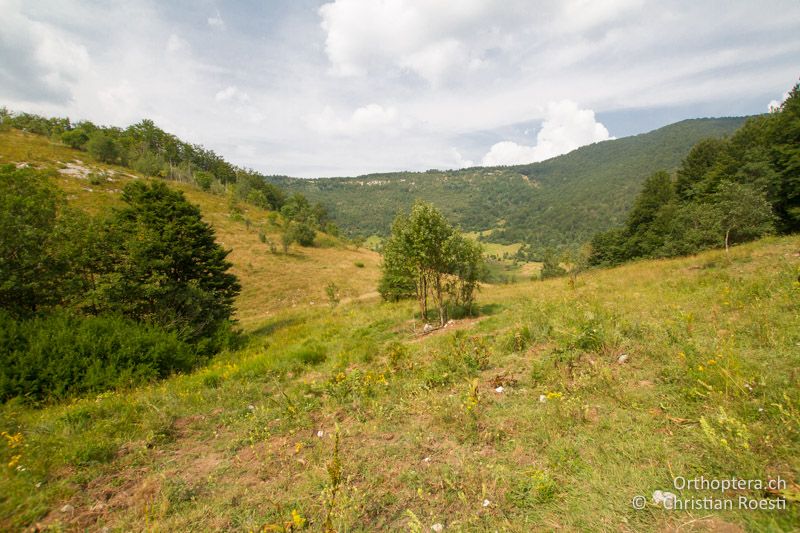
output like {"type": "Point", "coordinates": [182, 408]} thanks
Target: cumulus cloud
{"type": "Point", "coordinates": [565, 128]}
{"type": "Point", "coordinates": [775, 105]}
{"type": "Point", "coordinates": [39, 61]}
{"type": "Point", "coordinates": [439, 74]}
{"type": "Point", "coordinates": [368, 119]}
{"type": "Point", "coordinates": [431, 38]}
{"type": "Point", "coordinates": [459, 161]}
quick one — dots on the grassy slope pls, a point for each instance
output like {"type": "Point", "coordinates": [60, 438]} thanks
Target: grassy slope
{"type": "Point", "coordinates": [270, 281]}
{"type": "Point", "coordinates": [236, 445]}
{"type": "Point", "coordinates": [564, 200]}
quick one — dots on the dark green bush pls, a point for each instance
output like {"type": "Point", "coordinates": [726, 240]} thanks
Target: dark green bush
{"type": "Point", "coordinates": [62, 355]}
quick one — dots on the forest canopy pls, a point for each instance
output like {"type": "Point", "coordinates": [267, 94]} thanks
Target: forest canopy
{"type": "Point", "coordinates": [726, 191]}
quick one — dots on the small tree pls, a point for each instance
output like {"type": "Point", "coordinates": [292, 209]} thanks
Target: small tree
{"type": "Point", "coordinates": [203, 179]}
{"type": "Point", "coordinates": [166, 266]}
{"type": "Point", "coordinates": [30, 209]}
{"type": "Point", "coordinates": [287, 238]}
{"type": "Point", "coordinates": [304, 234]}
{"type": "Point", "coordinates": [102, 147]}
{"type": "Point", "coordinates": [426, 253]}
{"type": "Point", "coordinates": [332, 292]}
{"type": "Point", "coordinates": [550, 266]}
{"type": "Point", "coordinates": [577, 260]}
{"type": "Point", "coordinates": [744, 212]}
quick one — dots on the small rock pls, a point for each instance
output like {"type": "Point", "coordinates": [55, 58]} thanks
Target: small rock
{"type": "Point", "coordinates": [427, 328]}
{"type": "Point", "coordinates": [68, 509]}
{"type": "Point", "coordinates": [320, 433]}
{"type": "Point", "coordinates": [450, 322]}
{"type": "Point", "coordinates": [499, 390]}
{"type": "Point", "coordinates": [622, 359]}
{"type": "Point", "coordinates": [251, 407]}
{"type": "Point", "coordinates": [486, 503]}
{"type": "Point", "coordinates": [438, 528]}
{"type": "Point", "coordinates": [542, 398]}
{"type": "Point", "coordinates": [426, 460]}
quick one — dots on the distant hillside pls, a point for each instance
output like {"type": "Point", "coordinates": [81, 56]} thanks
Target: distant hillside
{"type": "Point", "coordinates": [271, 280]}
{"type": "Point", "coordinates": [564, 200]}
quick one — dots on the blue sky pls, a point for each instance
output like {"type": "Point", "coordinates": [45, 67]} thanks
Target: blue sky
{"type": "Point", "coordinates": [345, 87]}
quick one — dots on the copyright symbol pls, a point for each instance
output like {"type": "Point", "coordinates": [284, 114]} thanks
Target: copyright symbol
{"type": "Point", "coordinates": [639, 502]}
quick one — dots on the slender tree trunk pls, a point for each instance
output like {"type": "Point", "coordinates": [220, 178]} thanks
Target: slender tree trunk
{"type": "Point", "coordinates": [423, 296]}
{"type": "Point", "coordinates": [439, 298]}
{"type": "Point", "coordinates": [727, 234]}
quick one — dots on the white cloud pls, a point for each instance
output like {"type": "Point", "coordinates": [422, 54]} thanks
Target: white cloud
{"type": "Point", "coordinates": [439, 74]}
{"type": "Point", "coordinates": [230, 93]}
{"type": "Point", "coordinates": [775, 105]}
{"type": "Point", "coordinates": [431, 38]}
{"type": "Point", "coordinates": [566, 127]}
{"type": "Point", "coordinates": [39, 61]}
{"type": "Point", "coordinates": [372, 118]}
{"type": "Point", "coordinates": [459, 161]}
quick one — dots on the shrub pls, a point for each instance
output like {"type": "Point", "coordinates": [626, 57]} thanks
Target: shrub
{"type": "Point", "coordinates": [102, 147]}
{"type": "Point", "coordinates": [149, 164]}
{"type": "Point", "coordinates": [61, 355]}
{"type": "Point", "coordinates": [304, 235]}
{"type": "Point", "coordinates": [204, 179]}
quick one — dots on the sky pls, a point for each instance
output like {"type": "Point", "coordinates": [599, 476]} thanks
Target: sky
{"type": "Point", "coordinates": [347, 87]}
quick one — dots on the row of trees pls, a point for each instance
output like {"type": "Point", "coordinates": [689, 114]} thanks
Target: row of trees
{"type": "Point", "coordinates": [153, 262]}
{"type": "Point", "coordinates": [147, 149]}
{"type": "Point", "coordinates": [427, 258]}
{"type": "Point", "coordinates": [726, 191]}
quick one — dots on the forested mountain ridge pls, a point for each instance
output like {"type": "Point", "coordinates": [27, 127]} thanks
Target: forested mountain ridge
{"type": "Point", "coordinates": [561, 201]}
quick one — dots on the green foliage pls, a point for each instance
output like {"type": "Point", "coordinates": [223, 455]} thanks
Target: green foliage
{"type": "Point", "coordinates": [252, 188]}
{"type": "Point", "coordinates": [299, 232]}
{"type": "Point", "coordinates": [303, 234]}
{"type": "Point", "coordinates": [744, 213]}
{"type": "Point", "coordinates": [154, 262]}
{"type": "Point", "coordinates": [550, 266]}
{"type": "Point", "coordinates": [535, 487]}
{"type": "Point", "coordinates": [203, 179]}
{"type": "Point", "coordinates": [558, 202]}
{"type": "Point", "coordinates": [165, 266]}
{"type": "Point", "coordinates": [154, 152]}
{"type": "Point", "coordinates": [426, 256]}
{"type": "Point", "coordinates": [309, 353]}
{"type": "Point", "coordinates": [63, 355]}
{"type": "Point", "coordinates": [332, 292]}
{"type": "Point", "coordinates": [29, 216]}
{"type": "Point", "coordinates": [726, 191]}
{"type": "Point", "coordinates": [399, 276]}
{"type": "Point", "coordinates": [75, 138]}
{"type": "Point", "coordinates": [149, 164]}
{"type": "Point", "coordinates": [784, 151]}
{"type": "Point", "coordinates": [102, 147]}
